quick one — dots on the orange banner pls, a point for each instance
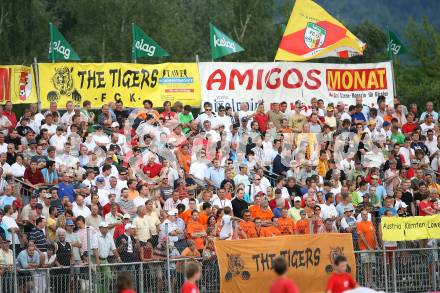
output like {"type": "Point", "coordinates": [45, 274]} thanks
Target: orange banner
{"type": "Point", "coordinates": [245, 265]}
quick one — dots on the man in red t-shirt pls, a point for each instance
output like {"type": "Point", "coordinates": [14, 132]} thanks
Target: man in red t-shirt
{"type": "Point", "coordinates": [340, 280]}
{"type": "Point", "coordinates": [282, 284]}
{"type": "Point", "coordinates": [426, 207]}
{"type": "Point", "coordinates": [152, 169]}
{"type": "Point", "coordinates": [192, 274]}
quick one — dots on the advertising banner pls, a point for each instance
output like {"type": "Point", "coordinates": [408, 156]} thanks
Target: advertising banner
{"type": "Point", "coordinates": [102, 83]}
{"type": "Point", "coordinates": [17, 84]}
{"type": "Point", "coordinates": [232, 83]}
{"type": "Point", "coordinates": [410, 228]}
{"type": "Point", "coordinates": [245, 265]}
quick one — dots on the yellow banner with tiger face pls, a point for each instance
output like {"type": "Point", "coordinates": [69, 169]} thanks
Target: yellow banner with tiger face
{"type": "Point", "coordinates": [246, 265]}
{"type": "Point", "coordinates": [101, 83]}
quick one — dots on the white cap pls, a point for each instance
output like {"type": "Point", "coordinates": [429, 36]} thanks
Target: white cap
{"type": "Point", "coordinates": [128, 226]}
{"type": "Point", "coordinates": [103, 225]}
{"type": "Point", "coordinates": [115, 124]}
{"type": "Point", "coordinates": [126, 216]}
{"type": "Point", "coordinates": [296, 198]}
{"type": "Point", "coordinates": [172, 212]}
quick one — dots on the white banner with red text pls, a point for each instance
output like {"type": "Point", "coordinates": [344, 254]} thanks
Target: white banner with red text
{"type": "Point", "coordinates": [229, 83]}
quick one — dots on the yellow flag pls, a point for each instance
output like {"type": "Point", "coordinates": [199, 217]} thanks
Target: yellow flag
{"type": "Point", "coordinates": [313, 33]}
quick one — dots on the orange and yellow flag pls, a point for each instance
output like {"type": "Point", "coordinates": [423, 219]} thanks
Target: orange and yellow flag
{"type": "Point", "coordinates": [313, 33]}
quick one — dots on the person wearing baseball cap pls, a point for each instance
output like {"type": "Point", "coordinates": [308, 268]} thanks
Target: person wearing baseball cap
{"type": "Point", "coordinates": [102, 245]}
{"type": "Point", "coordinates": [127, 245]}
{"type": "Point", "coordinates": [294, 211]}
{"type": "Point", "coordinates": [120, 229]}
{"type": "Point", "coordinates": [176, 229]}
{"type": "Point", "coordinates": [297, 119]}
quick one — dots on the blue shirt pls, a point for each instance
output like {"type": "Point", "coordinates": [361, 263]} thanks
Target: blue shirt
{"type": "Point", "coordinates": [216, 175]}
{"type": "Point", "coordinates": [433, 113]}
{"type": "Point", "coordinates": [382, 211]}
{"type": "Point", "coordinates": [49, 177]}
{"type": "Point", "coordinates": [358, 116]}
{"type": "Point", "coordinates": [6, 200]}
{"type": "Point", "coordinates": [66, 190]}
{"type": "Point", "coordinates": [23, 259]}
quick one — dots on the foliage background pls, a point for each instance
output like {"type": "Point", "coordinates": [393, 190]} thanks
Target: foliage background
{"type": "Point", "coordinates": [100, 31]}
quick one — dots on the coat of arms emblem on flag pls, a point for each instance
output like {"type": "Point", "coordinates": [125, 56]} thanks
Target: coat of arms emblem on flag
{"type": "Point", "coordinates": [314, 36]}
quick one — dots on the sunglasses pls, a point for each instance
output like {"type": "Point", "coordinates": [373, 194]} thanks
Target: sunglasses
{"type": "Point", "coordinates": [208, 109]}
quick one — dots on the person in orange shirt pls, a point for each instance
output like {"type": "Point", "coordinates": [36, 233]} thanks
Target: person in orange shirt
{"type": "Point", "coordinates": [184, 157]}
{"type": "Point", "coordinates": [268, 229]}
{"type": "Point", "coordinates": [206, 212]}
{"type": "Point", "coordinates": [367, 242]}
{"type": "Point", "coordinates": [286, 224]}
{"type": "Point", "coordinates": [186, 215]}
{"type": "Point", "coordinates": [302, 225]}
{"type": "Point", "coordinates": [255, 208]}
{"type": "Point", "coordinates": [247, 227]}
{"type": "Point", "coordinates": [265, 214]}
{"type": "Point", "coordinates": [196, 231]}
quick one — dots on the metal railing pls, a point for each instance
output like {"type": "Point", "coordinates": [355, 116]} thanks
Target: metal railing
{"type": "Point", "coordinates": [404, 270]}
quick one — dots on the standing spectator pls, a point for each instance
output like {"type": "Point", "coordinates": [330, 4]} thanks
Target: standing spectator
{"type": "Point", "coordinates": [102, 246]}
{"type": "Point", "coordinates": [239, 204]}
{"type": "Point", "coordinates": [63, 259]}
{"type": "Point", "coordinates": [368, 243]}
{"type": "Point", "coordinates": [127, 245]}
{"type": "Point", "coordinates": [38, 235]}
{"type": "Point", "coordinates": [196, 231]}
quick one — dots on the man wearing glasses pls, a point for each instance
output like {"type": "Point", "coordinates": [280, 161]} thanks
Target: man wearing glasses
{"type": "Point", "coordinates": [207, 115]}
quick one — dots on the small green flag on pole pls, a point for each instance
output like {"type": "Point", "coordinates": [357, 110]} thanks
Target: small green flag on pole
{"type": "Point", "coordinates": [395, 45]}
{"type": "Point", "coordinates": [59, 48]}
{"type": "Point", "coordinates": [221, 44]}
{"type": "Point", "coordinates": [144, 46]}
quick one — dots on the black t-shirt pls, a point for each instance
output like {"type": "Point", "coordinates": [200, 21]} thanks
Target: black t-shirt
{"type": "Point", "coordinates": [294, 191]}
{"type": "Point", "coordinates": [16, 141]}
{"type": "Point", "coordinates": [238, 206]}
{"type": "Point", "coordinates": [23, 130]}
{"type": "Point", "coordinates": [407, 197]}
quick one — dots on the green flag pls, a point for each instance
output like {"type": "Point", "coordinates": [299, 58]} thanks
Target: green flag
{"type": "Point", "coordinates": [59, 48]}
{"type": "Point", "coordinates": [221, 44]}
{"type": "Point", "coordinates": [395, 46]}
{"type": "Point", "coordinates": [144, 46]}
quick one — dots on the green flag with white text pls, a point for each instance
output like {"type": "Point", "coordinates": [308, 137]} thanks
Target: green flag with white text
{"type": "Point", "coordinates": [59, 48]}
{"type": "Point", "coordinates": [144, 46]}
{"type": "Point", "coordinates": [221, 44]}
{"type": "Point", "coordinates": [395, 45]}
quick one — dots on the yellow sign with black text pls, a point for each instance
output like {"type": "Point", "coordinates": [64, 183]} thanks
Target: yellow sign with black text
{"type": "Point", "coordinates": [410, 228]}
{"type": "Point", "coordinates": [102, 83]}
{"type": "Point", "coordinates": [245, 265]}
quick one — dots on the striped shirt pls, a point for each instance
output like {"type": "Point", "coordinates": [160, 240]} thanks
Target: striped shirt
{"type": "Point", "coordinates": [39, 238]}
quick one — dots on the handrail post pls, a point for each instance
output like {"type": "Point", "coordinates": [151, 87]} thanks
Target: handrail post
{"type": "Point", "coordinates": [394, 271]}
{"type": "Point", "coordinates": [89, 260]}
{"type": "Point", "coordinates": [14, 259]}
{"type": "Point", "coordinates": [141, 279]}
{"type": "Point", "coordinates": [168, 258]}
{"type": "Point", "coordinates": [385, 269]}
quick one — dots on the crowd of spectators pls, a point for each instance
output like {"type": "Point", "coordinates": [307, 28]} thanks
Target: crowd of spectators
{"type": "Point", "coordinates": [125, 185]}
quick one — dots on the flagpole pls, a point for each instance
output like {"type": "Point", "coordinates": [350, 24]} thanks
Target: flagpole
{"type": "Point", "coordinates": [51, 42]}
{"type": "Point", "coordinates": [133, 48]}
{"type": "Point", "coordinates": [37, 83]}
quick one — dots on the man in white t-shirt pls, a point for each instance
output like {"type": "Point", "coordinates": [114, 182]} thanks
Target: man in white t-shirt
{"type": "Point", "coordinates": [58, 140]}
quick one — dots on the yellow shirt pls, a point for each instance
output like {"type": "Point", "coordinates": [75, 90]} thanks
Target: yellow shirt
{"type": "Point", "coordinates": [143, 229]}
{"type": "Point", "coordinates": [51, 234]}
